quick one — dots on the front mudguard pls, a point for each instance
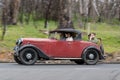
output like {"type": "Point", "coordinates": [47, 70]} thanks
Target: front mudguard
{"type": "Point", "coordinates": [40, 52]}
{"type": "Point", "coordinates": [16, 51]}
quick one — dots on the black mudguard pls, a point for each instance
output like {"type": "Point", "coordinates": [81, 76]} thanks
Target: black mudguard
{"type": "Point", "coordinates": [40, 52]}
{"type": "Point", "coordinates": [92, 47]}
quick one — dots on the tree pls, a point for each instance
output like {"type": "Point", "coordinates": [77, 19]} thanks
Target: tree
{"type": "Point", "coordinates": [61, 11]}
{"type": "Point", "coordinates": [4, 18]}
{"type": "Point", "coordinates": [15, 4]}
{"type": "Point", "coordinates": [12, 8]}
{"type": "Point", "coordinates": [47, 13]}
{"type": "Point", "coordinates": [65, 14]}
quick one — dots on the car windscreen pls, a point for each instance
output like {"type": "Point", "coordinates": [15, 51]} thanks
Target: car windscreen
{"type": "Point", "coordinates": [62, 36]}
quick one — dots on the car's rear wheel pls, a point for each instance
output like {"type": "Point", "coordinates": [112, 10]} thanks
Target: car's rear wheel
{"type": "Point", "coordinates": [79, 61]}
{"type": "Point", "coordinates": [91, 57]}
{"type": "Point", "coordinates": [17, 60]}
{"type": "Point", "coordinates": [28, 56]}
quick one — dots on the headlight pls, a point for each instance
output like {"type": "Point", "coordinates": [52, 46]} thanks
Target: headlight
{"type": "Point", "coordinates": [19, 42]}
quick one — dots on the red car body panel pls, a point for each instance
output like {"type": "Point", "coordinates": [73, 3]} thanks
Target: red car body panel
{"type": "Point", "coordinates": [42, 44]}
{"type": "Point", "coordinates": [58, 48]}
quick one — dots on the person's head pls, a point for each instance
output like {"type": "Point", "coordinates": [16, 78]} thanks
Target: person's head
{"type": "Point", "coordinates": [68, 35]}
{"type": "Point", "coordinates": [91, 35]}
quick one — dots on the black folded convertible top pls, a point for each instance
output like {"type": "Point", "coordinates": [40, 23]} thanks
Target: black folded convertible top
{"type": "Point", "coordinates": [66, 30]}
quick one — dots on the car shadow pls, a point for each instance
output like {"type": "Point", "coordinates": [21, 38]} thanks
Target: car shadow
{"type": "Point", "coordinates": [54, 64]}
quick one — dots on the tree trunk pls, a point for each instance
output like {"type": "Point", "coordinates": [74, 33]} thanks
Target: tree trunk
{"type": "Point", "coordinates": [65, 14]}
{"type": "Point", "coordinates": [4, 19]}
{"type": "Point", "coordinates": [81, 7]}
{"type": "Point", "coordinates": [47, 14]}
{"type": "Point", "coordinates": [13, 11]}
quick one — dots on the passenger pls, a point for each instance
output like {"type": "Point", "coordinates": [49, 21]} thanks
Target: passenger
{"type": "Point", "coordinates": [68, 37]}
{"type": "Point", "coordinates": [92, 38]}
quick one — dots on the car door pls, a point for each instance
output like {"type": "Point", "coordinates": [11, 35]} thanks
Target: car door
{"type": "Point", "coordinates": [65, 49]}
{"type": "Point", "coordinates": [74, 49]}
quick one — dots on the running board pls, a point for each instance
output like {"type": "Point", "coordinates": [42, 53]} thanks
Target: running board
{"type": "Point", "coordinates": [66, 58]}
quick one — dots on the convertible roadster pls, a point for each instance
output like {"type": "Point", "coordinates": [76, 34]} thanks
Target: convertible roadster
{"type": "Point", "coordinates": [56, 47]}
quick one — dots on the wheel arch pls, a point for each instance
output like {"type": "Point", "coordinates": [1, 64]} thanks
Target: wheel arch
{"type": "Point", "coordinates": [92, 47]}
{"type": "Point", "coordinates": [39, 52]}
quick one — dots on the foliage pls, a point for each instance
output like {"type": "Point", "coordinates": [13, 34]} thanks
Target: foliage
{"type": "Point", "coordinates": [15, 32]}
{"type": "Point", "coordinates": [109, 33]}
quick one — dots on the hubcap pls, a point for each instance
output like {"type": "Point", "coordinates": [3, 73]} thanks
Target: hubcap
{"type": "Point", "coordinates": [91, 56]}
{"type": "Point", "coordinates": [29, 56]}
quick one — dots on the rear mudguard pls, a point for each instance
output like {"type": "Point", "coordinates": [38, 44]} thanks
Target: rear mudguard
{"type": "Point", "coordinates": [40, 52]}
{"type": "Point", "coordinates": [92, 47]}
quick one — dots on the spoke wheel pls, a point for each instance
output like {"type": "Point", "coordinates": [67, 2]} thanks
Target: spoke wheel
{"type": "Point", "coordinates": [28, 56]}
{"type": "Point", "coordinates": [91, 57]}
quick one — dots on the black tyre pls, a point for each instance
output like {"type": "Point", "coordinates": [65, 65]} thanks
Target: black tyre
{"type": "Point", "coordinates": [17, 60]}
{"type": "Point", "coordinates": [91, 57]}
{"type": "Point", "coordinates": [28, 56]}
{"type": "Point", "coordinates": [79, 62]}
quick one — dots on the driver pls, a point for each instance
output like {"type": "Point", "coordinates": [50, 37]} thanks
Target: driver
{"type": "Point", "coordinates": [68, 37]}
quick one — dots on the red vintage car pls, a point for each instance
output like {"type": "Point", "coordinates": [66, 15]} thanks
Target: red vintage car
{"type": "Point", "coordinates": [29, 50]}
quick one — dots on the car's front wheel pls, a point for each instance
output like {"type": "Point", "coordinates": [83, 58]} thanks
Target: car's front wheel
{"type": "Point", "coordinates": [91, 57]}
{"type": "Point", "coordinates": [28, 56]}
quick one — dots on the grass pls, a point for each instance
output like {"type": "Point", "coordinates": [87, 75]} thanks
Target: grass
{"type": "Point", "coordinates": [110, 34]}
{"type": "Point", "coordinates": [21, 31]}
